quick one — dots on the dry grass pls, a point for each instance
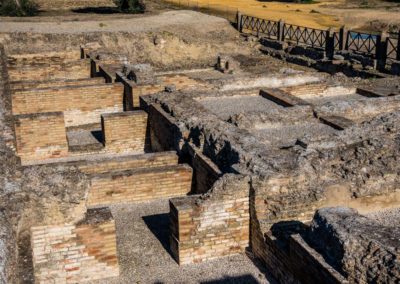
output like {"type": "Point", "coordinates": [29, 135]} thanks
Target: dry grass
{"type": "Point", "coordinates": [321, 14]}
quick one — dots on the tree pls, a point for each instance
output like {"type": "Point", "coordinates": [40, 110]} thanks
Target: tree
{"type": "Point", "coordinates": [131, 6]}
{"type": "Point", "coordinates": [18, 8]}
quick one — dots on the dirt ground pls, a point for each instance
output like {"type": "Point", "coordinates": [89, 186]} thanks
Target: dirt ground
{"type": "Point", "coordinates": [144, 254]}
{"type": "Point", "coordinates": [172, 39]}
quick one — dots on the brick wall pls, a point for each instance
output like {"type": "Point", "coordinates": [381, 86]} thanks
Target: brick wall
{"type": "Point", "coordinates": [71, 70]}
{"type": "Point", "coordinates": [24, 85]}
{"type": "Point", "coordinates": [72, 4]}
{"type": "Point", "coordinates": [130, 162]}
{"type": "Point", "coordinates": [75, 253]}
{"type": "Point", "coordinates": [211, 227]}
{"type": "Point", "coordinates": [58, 57]}
{"type": "Point", "coordinates": [309, 266]}
{"type": "Point", "coordinates": [164, 134]}
{"type": "Point", "coordinates": [80, 104]}
{"type": "Point", "coordinates": [205, 172]}
{"type": "Point", "coordinates": [40, 136]}
{"type": "Point", "coordinates": [125, 131]}
{"type": "Point", "coordinates": [140, 185]}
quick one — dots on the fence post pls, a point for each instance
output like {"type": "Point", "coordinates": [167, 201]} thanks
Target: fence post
{"type": "Point", "coordinates": [239, 21]}
{"type": "Point", "coordinates": [346, 35]}
{"type": "Point", "coordinates": [381, 50]}
{"type": "Point", "coordinates": [329, 44]}
{"type": "Point", "coordinates": [398, 47]}
{"type": "Point", "coordinates": [341, 38]}
{"type": "Point", "coordinates": [280, 32]}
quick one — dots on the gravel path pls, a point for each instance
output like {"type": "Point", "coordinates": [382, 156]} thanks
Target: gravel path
{"type": "Point", "coordinates": [140, 24]}
{"type": "Point", "coordinates": [143, 247]}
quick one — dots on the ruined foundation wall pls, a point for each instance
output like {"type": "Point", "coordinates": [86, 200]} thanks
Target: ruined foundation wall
{"type": "Point", "coordinates": [79, 69]}
{"type": "Point", "coordinates": [26, 85]}
{"type": "Point", "coordinates": [125, 131]}
{"type": "Point", "coordinates": [140, 185]}
{"type": "Point", "coordinates": [41, 136]}
{"type": "Point", "coordinates": [75, 253]}
{"type": "Point", "coordinates": [363, 250]}
{"type": "Point", "coordinates": [212, 226]}
{"type": "Point", "coordinates": [150, 160]}
{"type": "Point", "coordinates": [164, 134]}
{"type": "Point", "coordinates": [81, 104]}
{"type": "Point", "coordinates": [205, 172]}
{"type": "Point", "coordinates": [43, 58]}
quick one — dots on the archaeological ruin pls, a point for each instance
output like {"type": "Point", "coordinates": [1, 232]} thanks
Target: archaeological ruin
{"type": "Point", "coordinates": [248, 168]}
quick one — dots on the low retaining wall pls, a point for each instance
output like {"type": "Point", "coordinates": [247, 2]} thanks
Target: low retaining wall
{"type": "Point", "coordinates": [139, 185]}
{"type": "Point", "coordinates": [25, 85]}
{"type": "Point", "coordinates": [80, 104]}
{"type": "Point", "coordinates": [151, 160]}
{"type": "Point", "coordinates": [125, 131]}
{"type": "Point", "coordinates": [71, 70]}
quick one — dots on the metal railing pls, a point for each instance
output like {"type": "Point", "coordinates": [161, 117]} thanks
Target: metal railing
{"type": "Point", "coordinates": [362, 42]}
{"type": "Point", "coordinates": [263, 27]}
{"type": "Point", "coordinates": [393, 47]}
{"type": "Point", "coordinates": [307, 36]}
{"type": "Point", "coordinates": [375, 46]}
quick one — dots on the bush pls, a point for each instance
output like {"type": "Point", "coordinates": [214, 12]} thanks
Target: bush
{"type": "Point", "coordinates": [12, 9]}
{"type": "Point", "coordinates": [131, 6]}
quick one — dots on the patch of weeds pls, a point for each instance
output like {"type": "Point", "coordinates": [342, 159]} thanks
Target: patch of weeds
{"type": "Point", "coordinates": [101, 25]}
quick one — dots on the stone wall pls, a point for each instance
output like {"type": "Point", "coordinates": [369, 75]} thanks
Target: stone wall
{"type": "Point", "coordinates": [76, 253]}
{"type": "Point", "coordinates": [139, 185]}
{"type": "Point", "coordinates": [213, 226]}
{"type": "Point", "coordinates": [80, 104]}
{"type": "Point", "coordinates": [40, 136]}
{"type": "Point", "coordinates": [73, 4]}
{"type": "Point", "coordinates": [125, 131]}
{"type": "Point", "coordinates": [71, 70]}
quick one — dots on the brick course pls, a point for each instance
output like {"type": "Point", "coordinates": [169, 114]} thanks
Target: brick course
{"type": "Point", "coordinates": [139, 185]}
{"type": "Point", "coordinates": [25, 85]}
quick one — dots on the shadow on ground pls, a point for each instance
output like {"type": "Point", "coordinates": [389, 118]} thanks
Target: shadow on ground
{"type": "Point", "coordinates": [97, 10]}
{"type": "Point", "coordinates": [245, 279]}
{"type": "Point", "coordinates": [159, 226]}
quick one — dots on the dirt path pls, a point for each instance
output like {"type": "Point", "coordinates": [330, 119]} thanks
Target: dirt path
{"type": "Point", "coordinates": [137, 24]}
